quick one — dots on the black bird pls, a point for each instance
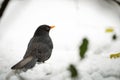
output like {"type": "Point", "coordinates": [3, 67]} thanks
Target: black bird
{"type": "Point", "coordinates": [39, 49]}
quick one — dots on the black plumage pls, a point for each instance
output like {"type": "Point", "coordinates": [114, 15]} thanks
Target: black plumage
{"type": "Point", "coordinates": [39, 49]}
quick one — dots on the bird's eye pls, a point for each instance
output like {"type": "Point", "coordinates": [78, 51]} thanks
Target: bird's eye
{"type": "Point", "coordinates": [47, 28]}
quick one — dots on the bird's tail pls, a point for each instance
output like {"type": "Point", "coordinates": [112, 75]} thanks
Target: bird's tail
{"type": "Point", "coordinates": [26, 63]}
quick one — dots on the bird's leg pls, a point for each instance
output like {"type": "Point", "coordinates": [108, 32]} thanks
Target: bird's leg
{"type": "Point", "coordinates": [43, 62]}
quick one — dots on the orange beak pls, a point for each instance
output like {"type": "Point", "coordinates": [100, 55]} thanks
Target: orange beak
{"type": "Point", "coordinates": [52, 27]}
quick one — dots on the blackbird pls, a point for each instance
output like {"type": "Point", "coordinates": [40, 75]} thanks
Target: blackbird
{"type": "Point", "coordinates": [39, 49]}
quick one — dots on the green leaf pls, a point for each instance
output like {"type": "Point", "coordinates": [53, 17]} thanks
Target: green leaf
{"type": "Point", "coordinates": [83, 48]}
{"type": "Point", "coordinates": [73, 71]}
{"type": "Point", "coordinates": [114, 37]}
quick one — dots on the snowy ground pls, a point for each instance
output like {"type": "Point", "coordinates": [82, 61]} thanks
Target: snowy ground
{"type": "Point", "coordinates": [74, 20]}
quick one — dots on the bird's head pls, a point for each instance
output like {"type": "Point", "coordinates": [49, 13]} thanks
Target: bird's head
{"type": "Point", "coordinates": [43, 29]}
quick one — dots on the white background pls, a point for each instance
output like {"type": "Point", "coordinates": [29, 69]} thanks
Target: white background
{"type": "Point", "coordinates": [74, 20]}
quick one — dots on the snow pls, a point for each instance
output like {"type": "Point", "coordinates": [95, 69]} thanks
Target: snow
{"type": "Point", "coordinates": [74, 20]}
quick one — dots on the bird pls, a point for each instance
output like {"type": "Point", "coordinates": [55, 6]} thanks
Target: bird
{"type": "Point", "coordinates": [39, 49]}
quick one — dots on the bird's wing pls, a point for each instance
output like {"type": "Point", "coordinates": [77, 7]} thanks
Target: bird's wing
{"type": "Point", "coordinates": [22, 63]}
{"type": "Point", "coordinates": [36, 48]}
{"type": "Point", "coordinates": [37, 45]}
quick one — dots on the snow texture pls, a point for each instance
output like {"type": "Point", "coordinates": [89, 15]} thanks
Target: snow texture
{"type": "Point", "coordinates": [74, 20]}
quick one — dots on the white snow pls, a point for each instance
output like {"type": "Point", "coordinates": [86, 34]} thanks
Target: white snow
{"type": "Point", "coordinates": [74, 20]}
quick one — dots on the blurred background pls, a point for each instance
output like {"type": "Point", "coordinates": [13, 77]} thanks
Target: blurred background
{"type": "Point", "coordinates": [85, 37]}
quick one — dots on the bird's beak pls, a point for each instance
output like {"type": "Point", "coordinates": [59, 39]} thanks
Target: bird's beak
{"type": "Point", "coordinates": [52, 27]}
